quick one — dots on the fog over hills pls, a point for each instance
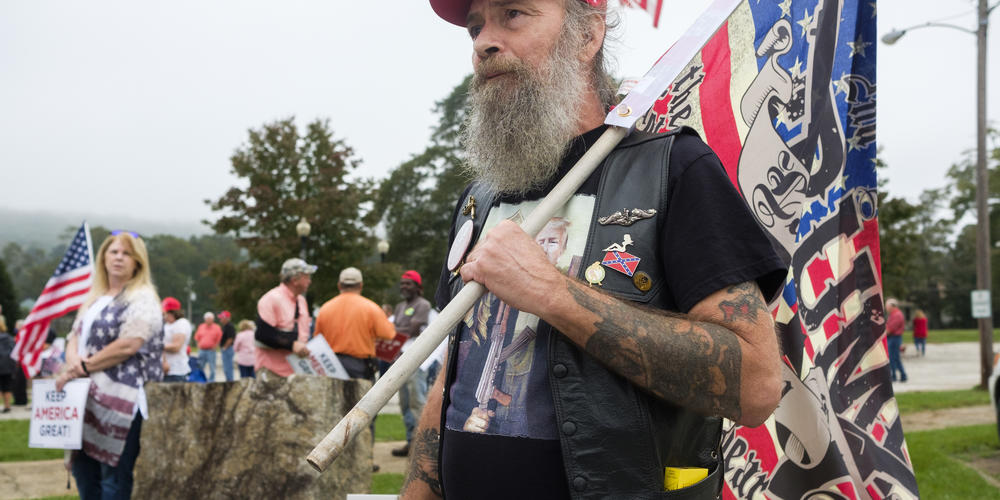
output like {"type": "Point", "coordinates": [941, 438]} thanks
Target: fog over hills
{"type": "Point", "coordinates": [47, 229]}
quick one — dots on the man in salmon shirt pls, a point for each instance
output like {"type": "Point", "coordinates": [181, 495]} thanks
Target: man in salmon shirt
{"type": "Point", "coordinates": [283, 319]}
{"type": "Point", "coordinates": [208, 336]}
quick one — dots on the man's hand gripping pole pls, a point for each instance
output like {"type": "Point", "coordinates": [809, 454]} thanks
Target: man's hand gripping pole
{"type": "Point", "coordinates": [361, 415]}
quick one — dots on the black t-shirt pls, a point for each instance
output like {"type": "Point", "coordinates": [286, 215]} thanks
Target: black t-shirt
{"type": "Point", "coordinates": [228, 333]}
{"type": "Point", "coordinates": [710, 241]}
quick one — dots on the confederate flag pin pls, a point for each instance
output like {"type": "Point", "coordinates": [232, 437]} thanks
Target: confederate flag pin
{"type": "Point", "coordinates": [618, 259]}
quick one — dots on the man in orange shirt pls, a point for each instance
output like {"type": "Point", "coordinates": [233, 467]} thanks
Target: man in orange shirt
{"type": "Point", "coordinates": [350, 323]}
{"type": "Point", "coordinates": [208, 336]}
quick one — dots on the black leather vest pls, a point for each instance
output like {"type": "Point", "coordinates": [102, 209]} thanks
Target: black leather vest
{"type": "Point", "coordinates": [617, 439]}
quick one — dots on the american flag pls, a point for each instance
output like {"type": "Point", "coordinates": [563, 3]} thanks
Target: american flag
{"type": "Point", "coordinates": [784, 92]}
{"type": "Point", "coordinates": [64, 292]}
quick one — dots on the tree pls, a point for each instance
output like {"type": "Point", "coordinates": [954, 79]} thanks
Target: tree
{"type": "Point", "coordinates": [928, 254]}
{"type": "Point", "coordinates": [287, 177]}
{"type": "Point", "coordinates": [417, 200]}
{"type": "Point", "coordinates": [915, 242]}
{"type": "Point", "coordinates": [8, 298]}
{"type": "Point", "coordinates": [30, 268]}
{"type": "Point", "coordinates": [962, 186]}
{"type": "Point", "coordinates": [180, 267]}
{"type": "Point", "coordinates": [175, 262]}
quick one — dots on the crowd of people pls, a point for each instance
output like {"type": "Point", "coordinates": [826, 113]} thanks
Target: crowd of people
{"type": "Point", "coordinates": [350, 323]}
{"type": "Point", "coordinates": [895, 326]}
{"type": "Point", "coordinates": [124, 336]}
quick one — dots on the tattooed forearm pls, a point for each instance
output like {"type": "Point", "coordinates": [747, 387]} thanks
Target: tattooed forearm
{"type": "Point", "coordinates": [744, 304]}
{"type": "Point", "coordinates": [424, 462]}
{"type": "Point", "coordinates": [692, 364]}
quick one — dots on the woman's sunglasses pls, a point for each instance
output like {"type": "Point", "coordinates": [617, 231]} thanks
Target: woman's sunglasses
{"type": "Point", "coordinates": [134, 234]}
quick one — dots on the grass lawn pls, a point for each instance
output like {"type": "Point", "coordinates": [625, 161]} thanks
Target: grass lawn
{"type": "Point", "coordinates": [940, 460]}
{"type": "Point", "coordinates": [910, 402]}
{"type": "Point", "coordinates": [389, 427]}
{"type": "Point", "coordinates": [950, 336]}
{"type": "Point", "coordinates": [14, 444]}
{"type": "Point", "coordinates": [386, 483]}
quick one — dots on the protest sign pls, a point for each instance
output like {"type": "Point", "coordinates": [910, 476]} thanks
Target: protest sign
{"type": "Point", "coordinates": [321, 361]}
{"type": "Point", "coordinates": [57, 416]}
{"type": "Point", "coordinates": [389, 350]}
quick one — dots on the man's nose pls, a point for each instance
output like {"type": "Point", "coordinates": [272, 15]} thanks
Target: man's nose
{"type": "Point", "coordinates": [488, 42]}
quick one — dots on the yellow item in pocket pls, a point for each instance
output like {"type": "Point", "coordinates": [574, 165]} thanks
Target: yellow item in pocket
{"type": "Point", "coordinates": [675, 478]}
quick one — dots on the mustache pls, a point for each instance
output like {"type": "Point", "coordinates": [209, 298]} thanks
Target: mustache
{"type": "Point", "coordinates": [495, 66]}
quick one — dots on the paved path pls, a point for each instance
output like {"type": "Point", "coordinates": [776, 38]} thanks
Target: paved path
{"type": "Point", "coordinates": [17, 413]}
{"type": "Point", "coordinates": [387, 462]}
{"type": "Point", "coordinates": [949, 417]}
{"type": "Point", "coordinates": [946, 367]}
{"type": "Point", "coordinates": [38, 479]}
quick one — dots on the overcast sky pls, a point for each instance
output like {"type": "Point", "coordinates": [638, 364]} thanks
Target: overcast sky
{"type": "Point", "coordinates": [109, 107]}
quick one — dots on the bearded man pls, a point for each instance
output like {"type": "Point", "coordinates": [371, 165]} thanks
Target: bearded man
{"type": "Point", "coordinates": [625, 364]}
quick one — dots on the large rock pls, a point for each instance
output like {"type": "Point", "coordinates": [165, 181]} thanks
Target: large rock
{"type": "Point", "coordinates": [249, 439]}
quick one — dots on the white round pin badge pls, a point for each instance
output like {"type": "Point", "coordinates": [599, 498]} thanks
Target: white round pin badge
{"type": "Point", "coordinates": [460, 245]}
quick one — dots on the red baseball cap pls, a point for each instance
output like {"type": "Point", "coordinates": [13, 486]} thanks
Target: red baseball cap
{"type": "Point", "coordinates": [412, 275]}
{"type": "Point", "coordinates": [171, 304]}
{"type": "Point", "coordinates": [456, 11]}
{"type": "Point", "coordinates": [225, 314]}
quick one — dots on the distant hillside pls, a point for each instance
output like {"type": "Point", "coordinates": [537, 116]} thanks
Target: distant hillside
{"type": "Point", "coordinates": [47, 229]}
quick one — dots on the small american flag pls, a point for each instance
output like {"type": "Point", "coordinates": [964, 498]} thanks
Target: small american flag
{"type": "Point", "coordinates": [64, 292]}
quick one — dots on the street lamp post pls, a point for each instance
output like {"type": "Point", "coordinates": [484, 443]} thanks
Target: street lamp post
{"type": "Point", "coordinates": [383, 248]}
{"type": "Point", "coordinates": [983, 274]}
{"type": "Point", "coordinates": [191, 295]}
{"type": "Point", "coordinates": [302, 229]}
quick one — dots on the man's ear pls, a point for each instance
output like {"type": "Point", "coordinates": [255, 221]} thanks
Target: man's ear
{"type": "Point", "coordinates": [594, 39]}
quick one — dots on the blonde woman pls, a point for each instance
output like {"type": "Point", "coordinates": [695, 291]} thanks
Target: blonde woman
{"type": "Point", "coordinates": [246, 350]}
{"type": "Point", "coordinates": [117, 341]}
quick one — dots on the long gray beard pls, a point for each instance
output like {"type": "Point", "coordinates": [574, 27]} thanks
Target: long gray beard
{"type": "Point", "coordinates": [519, 128]}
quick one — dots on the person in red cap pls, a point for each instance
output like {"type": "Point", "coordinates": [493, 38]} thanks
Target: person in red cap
{"type": "Point", "coordinates": [410, 318]}
{"type": "Point", "coordinates": [176, 335]}
{"type": "Point", "coordinates": [226, 344]}
{"type": "Point", "coordinates": [588, 371]}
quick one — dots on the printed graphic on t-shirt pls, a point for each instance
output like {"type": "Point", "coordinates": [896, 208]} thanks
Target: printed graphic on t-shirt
{"type": "Point", "coordinates": [501, 385]}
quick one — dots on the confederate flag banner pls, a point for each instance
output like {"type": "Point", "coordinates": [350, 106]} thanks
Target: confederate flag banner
{"type": "Point", "coordinates": [784, 92]}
